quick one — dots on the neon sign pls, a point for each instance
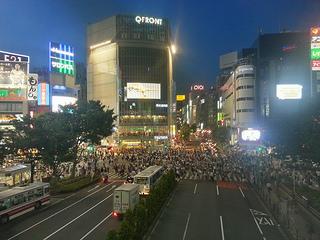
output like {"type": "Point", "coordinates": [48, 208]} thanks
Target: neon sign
{"type": "Point", "coordinates": [149, 20]}
{"type": "Point", "coordinates": [61, 58]}
{"type": "Point", "coordinates": [197, 87]}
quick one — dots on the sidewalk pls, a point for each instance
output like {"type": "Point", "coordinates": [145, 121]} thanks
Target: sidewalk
{"type": "Point", "coordinates": [293, 218]}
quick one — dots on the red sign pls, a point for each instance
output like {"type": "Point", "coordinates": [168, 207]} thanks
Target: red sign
{"type": "Point", "coordinates": [315, 64]}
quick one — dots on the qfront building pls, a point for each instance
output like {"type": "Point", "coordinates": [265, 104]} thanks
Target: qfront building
{"type": "Point", "coordinates": [130, 71]}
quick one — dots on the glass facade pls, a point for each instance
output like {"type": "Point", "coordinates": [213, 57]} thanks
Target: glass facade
{"type": "Point", "coordinates": [140, 88]}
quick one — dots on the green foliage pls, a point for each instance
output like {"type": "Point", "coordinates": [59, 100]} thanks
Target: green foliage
{"type": "Point", "coordinates": [221, 135]}
{"type": "Point", "coordinates": [137, 222]}
{"type": "Point", "coordinates": [57, 136]}
{"type": "Point", "coordinates": [72, 184]}
{"type": "Point", "coordinates": [185, 132]}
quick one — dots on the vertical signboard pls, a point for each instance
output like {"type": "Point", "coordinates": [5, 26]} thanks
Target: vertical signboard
{"type": "Point", "coordinates": [315, 48]}
{"type": "Point", "coordinates": [61, 58]}
{"type": "Point", "coordinates": [315, 58]}
{"type": "Point", "coordinates": [43, 94]}
{"type": "Point", "coordinates": [32, 89]}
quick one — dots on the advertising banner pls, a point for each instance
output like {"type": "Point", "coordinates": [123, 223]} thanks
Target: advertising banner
{"type": "Point", "coordinates": [12, 94]}
{"type": "Point", "coordinates": [315, 53]}
{"type": "Point", "coordinates": [14, 69]}
{"type": "Point", "coordinates": [32, 89]}
{"type": "Point", "coordinates": [289, 91]}
{"type": "Point", "coordinates": [315, 48]}
{"type": "Point", "coordinates": [143, 90]}
{"type": "Point", "coordinates": [61, 58]}
{"type": "Point", "coordinates": [180, 98]}
{"type": "Point", "coordinates": [43, 94]}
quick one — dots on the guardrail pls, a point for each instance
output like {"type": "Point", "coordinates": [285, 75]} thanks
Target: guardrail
{"type": "Point", "coordinates": [302, 200]}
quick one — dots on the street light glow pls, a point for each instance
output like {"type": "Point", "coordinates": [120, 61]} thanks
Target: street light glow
{"type": "Point", "coordinates": [173, 49]}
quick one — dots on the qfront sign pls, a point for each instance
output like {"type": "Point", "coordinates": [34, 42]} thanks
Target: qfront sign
{"type": "Point", "coordinates": [149, 20]}
{"type": "Point", "coordinates": [61, 58]}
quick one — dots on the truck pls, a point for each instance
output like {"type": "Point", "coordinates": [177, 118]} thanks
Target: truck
{"type": "Point", "coordinates": [125, 197]}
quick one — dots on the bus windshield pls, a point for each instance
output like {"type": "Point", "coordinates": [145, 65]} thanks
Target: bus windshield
{"type": "Point", "coordinates": [141, 180]}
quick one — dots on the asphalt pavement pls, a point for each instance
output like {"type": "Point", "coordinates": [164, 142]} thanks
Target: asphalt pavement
{"type": "Point", "coordinates": [223, 211]}
{"type": "Point", "coordinates": [197, 210]}
{"type": "Point", "coordinates": [83, 215]}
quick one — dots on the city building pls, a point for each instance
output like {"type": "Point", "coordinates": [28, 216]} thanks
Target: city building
{"type": "Point", "coordinates": [130, 71]}
{"type": "Point", "coordinates": [283, 73]}
{"type": "Point", "coordinates": [15, 88]}
{"type": "Point", "coordinates": [238, 101]}
{"type": "Point", "coordinates": [181, 102]}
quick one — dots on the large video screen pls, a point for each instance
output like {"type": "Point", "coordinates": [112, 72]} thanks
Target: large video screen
{"type": "Point", "coordinates": [61, 58]}
{"type": "Point", "coordinates": [289, 91]}
{"type": "Point", "coordinates": [14, 69]}
{"type": "Point", "coordinates": [143, 90]}
{"type": "Point", "coordinates": [58, 101]}
{"type": "Point", "coordinates": [251, 135]}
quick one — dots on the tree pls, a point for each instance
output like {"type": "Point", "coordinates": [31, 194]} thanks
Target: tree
{"type": "Point", "coordinates": [3, 147]}
{"type": "Point", "coordinates": [47, 133]}
{"type": "Point", "coordinates": [221, 135]}
{"type": "Point", "coordinates": [185, 132]}
{"type": "Point", "coordinates": [88, 122]}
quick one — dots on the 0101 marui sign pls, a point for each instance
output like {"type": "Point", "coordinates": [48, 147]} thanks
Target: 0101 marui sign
{"type": "Point", "coordinates": [61, 58]}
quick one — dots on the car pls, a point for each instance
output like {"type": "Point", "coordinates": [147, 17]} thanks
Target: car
{"type": "Point", "coordinates": [129, 179]}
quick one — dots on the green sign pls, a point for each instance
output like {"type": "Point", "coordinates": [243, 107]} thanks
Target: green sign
{"type": "Point", "coordinates": [315, 53]}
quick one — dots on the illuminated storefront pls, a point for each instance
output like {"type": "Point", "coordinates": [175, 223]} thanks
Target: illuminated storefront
{"type": "Point", "coordinates": [130, 71]}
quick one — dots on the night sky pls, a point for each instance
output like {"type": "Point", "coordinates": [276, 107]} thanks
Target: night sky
{"type": "Point", "coordinates": [202, 30]}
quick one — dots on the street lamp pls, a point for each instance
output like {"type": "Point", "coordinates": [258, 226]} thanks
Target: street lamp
{"type": "Point", "coordinates": [173, 49]}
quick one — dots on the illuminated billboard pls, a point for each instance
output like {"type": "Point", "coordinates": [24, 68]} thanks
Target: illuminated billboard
{"type": "Point", "coordinates": [315, 65]}
{"type": "Point", "coordinates": [197, 87]}
{"type": "Point", "coordinates": [143, 90]}
{"type": "Point", "coordinates": [315, 53]}
{"type": "Point", "coordinates": [315, 48]}
{"type": "Point", "coordinates": [58, 101]}
{"type": "Point", "coordinates": [43, 94]}
{"type": "Point", "coordinates": [32, 89]}
{"type": "Point", "coordinates": [289, 91]}
{"type": "Point", "coordinates": [251, 135]}
{"type": "Point", "coordinates": [14, 69]}
{"type": "Point", "coordinates": [12, 94]}
{"type": "Point", "coordinates": [61, 58]}
{"type": "Point", "coordinates": [180, 98]}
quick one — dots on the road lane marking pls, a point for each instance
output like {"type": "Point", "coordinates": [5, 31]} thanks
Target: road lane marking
{"type": "Point", "coordinates": [186, 228]}
{"type": "Point", "coordinates": [51, 216]}
{"type": "Point", "coordinates": [255, 220]}
{"type": "Point", "coordinates": [67, 224]}
{"type": "Point", "coordinates": [195, 188]}
{"type": "Point", "coordinates": [217, 189]}
{"type": "Point", "coordinates": [93, 188]}
{"type": "Point", "coordinates": [112, 187]}
{"type": "Point", "coordinates": [242, 192]}
{"type": "Point", "coordinates": [171, 198]}
{"type": "Point", "coordinates": [154, 228]}
{"type": "Point", "coordinates": [221, 226]}
{"type": "Point", "coordinates": [96, 226]}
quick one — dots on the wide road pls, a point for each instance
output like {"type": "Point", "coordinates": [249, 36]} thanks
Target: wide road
{"type": "Point", "coordinates": [204, 210]}
{"type": "Point", "coordinates": [83, 215]}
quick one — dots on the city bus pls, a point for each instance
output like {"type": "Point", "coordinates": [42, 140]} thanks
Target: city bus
{"type": "Point", "coordinates": [148, 178]}
{"type": "Point", "coordinates": [17, 201]}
